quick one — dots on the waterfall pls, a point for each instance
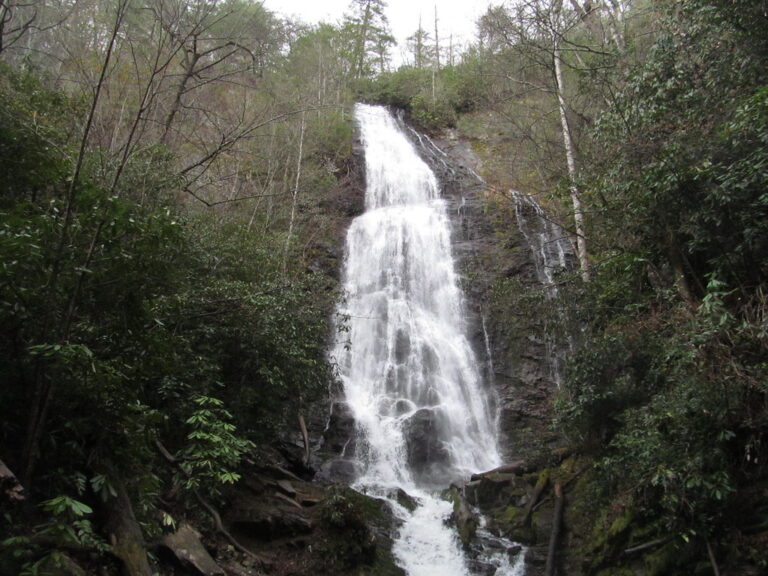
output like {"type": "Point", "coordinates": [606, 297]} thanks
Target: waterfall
{"type": "Point", "coordinates": [410, 377]}
{"type": "Point", "coordinates": [551, 247]}
{"type": "Point", "coordinates": [552, 253]}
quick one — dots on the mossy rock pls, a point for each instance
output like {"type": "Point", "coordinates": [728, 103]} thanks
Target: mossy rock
{"type": "Point", "coordinates": [356, 530]}
{"type": "Point", "coordinates": [509, 521]}
{"type": "Point", "coordinates": [465, 520]}
{"type": "Point", "coordinates": [661, 561]}
{"type": "Point", "coordinates": [383, 565]}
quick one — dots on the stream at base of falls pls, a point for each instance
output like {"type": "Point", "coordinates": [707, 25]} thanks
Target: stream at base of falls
{"type": "Point", "coordinates": [423, 417]}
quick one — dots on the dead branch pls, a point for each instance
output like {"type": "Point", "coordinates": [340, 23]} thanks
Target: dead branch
{"type": "Point", "coordinates": [210, 509]}
{"type": "Point", "coordinates": [557, 519]}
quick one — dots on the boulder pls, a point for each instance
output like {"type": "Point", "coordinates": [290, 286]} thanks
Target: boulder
{"type": "Point", "coordinates": [425, 449]}
{"type": "Point", "coordinates": [268, 519]}
{"type": "Point", "coordinates": [340, 432]}
{"type": "Point", "coordinates": [189, 551]}
{"type": "Point", "coordinates": [406, 500]}
{"type": "Point", "coordinates": [338, 470]}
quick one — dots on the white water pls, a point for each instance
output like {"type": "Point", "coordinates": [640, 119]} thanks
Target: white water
{"type": "Point", "coordinates": [551, 247]}
{"type": "Point", "coordinates": [410, 376]}
{"type": "Point", "coordinates": [552, 253]}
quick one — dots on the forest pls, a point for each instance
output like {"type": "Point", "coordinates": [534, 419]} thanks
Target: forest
{"type": "Point", "coordinates": [175, 179]}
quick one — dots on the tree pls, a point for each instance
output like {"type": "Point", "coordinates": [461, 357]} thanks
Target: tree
{"type": "Point", "coordinates": [369, 39]}
{"type": "Point", "coordinates": [420, 47]}
{"type": "Point", "coordinates": [545, 49]}
{"type": "Point", "coordinates": [21, 19]}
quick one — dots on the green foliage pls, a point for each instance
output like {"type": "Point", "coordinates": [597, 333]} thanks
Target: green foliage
{"type": "Point", "coordinates": [33, 126]}
{"type": "Point", "coordinates": [432, 98]}
{"type": "Point", "coordinates": [149, 316]}
{"type": "Point", "coordinates": [68, 525]}
{"type": "Point", "coordinates": [213, 451]}
{"type": "Point", "coordinates": [667, 388]}
{"type": "Point", "coordinates": [686, 140]}
{"type": "Point", "coordinates": [613, 373]}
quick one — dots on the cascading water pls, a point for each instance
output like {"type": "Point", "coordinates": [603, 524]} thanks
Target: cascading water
{"type": "Point", "coordinates": [551, 247]}
{"type": "Point", "coordinates": [410, 377]}
{"type": "Point", "coordinates": [552, 253]}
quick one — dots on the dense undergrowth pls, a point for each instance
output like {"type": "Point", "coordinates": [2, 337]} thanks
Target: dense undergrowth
{"type": "Point", "coordinates": [132, 327]}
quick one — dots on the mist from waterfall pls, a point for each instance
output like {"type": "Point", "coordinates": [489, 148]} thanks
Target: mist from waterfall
{"type": "Point", "coordinates": [410, 376]}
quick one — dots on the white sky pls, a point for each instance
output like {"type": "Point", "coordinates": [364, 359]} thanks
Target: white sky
{"type": "Point", "coordinates": [456, 17]}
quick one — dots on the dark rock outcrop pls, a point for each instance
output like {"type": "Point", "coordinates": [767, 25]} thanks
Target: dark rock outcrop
{"type": "Point", "coordinates": [304, 528]}
{"type": "Point", "coordinates": [426, 453]}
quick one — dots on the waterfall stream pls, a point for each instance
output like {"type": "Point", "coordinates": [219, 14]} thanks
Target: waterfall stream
{"type": "Point", "coordinates": [411, 380]}
{"type": "Point", "coordinates": [552, 253]}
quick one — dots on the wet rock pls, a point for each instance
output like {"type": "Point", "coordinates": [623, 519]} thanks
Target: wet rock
{"type": "Point", "coordinates": [465, 520]}
{"type": "Point", "coordinates": [338, 470]}
{"type": "Point", "coordinates": [340, 432]}
{"type": "Point", "coordinates": [402, 346]}
{"type": "Point", "coordinates": [512, 346]}
{"type": "Point", "coordinates": [425, 451]}
{"type": "Point", "coordinates": [406, 500]}
{"type": "Point", "coordinates": [514, 550]}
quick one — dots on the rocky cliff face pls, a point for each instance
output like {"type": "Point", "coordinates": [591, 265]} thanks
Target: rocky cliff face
{"type": "Point", "coordinates": [511, 345]}
{"type": "Point", "coordinates": [493, 253]}
{"type": "Point", "coordinates": [495, 249]}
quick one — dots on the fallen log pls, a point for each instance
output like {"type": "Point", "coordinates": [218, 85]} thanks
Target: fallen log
{"type": "Point", "coordinates": [516, 467]}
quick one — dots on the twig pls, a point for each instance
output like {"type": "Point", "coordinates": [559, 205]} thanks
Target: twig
{"type": "Point", "coordinates": [651, 544]}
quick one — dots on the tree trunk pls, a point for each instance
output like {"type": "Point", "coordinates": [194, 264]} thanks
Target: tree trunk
{"type": "Point", "coordinates": [125, 534]}
{"type": "Point", "coordinates": [295, 190]}
{"type": "Point", "coordinates": [578, 215]}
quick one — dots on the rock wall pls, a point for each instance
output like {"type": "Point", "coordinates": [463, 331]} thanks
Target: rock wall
{"type": "Point", "coordinates": [490, 248]}
{"type": "Point", "coordinates": [512, 347]}
{"type": "Point", "coordinates": [510, 344]}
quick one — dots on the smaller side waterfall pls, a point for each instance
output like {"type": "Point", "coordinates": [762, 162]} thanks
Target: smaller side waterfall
{"type": "Point", "coordinates": [552, 253]}
{"type": "Point", "coordinates": [550, 244]}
